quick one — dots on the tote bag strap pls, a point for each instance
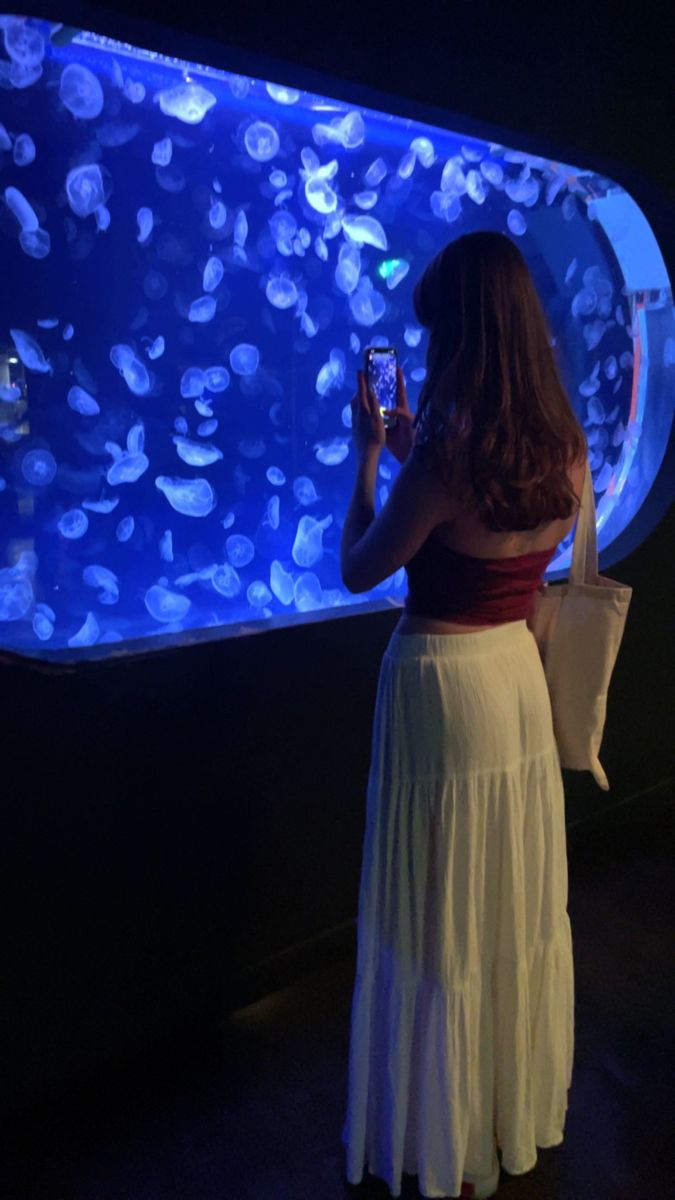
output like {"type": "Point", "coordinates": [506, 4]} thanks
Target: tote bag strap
{"type": "Point", "coordinates": [585, 555]}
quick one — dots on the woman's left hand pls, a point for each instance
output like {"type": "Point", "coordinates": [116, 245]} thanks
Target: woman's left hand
{"type": "Point", "coordinates": [368, 428]}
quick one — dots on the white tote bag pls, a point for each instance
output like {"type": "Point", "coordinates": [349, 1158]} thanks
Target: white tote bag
{"type": "Point", "coordinates": [578, 627]}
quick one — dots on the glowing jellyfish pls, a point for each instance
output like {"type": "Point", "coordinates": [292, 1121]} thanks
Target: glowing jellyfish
{"type": "Point", "coordinates": [226, 581]}
{"type": "Point", "coordinates": [206, 428]}
{"type": "Point", "coordinates": [217, 215]}
{"type": "Point", "coordinates": [348, 269]}
{"type": "Point", "coordinates": [304, 490]}
{"type": "Point", "coordinates": [258, 594]}
{"type": "Point", "coordinates": [38, 467]}
{"type": "Point", "coordinates": [133, 371]}
{"type": "Point", "coordinates": [81, 402]}
{"type": "Point", "coordinates": [244, 359]}
{"type": "Point", "coordinates": [161, 152]}
{"type": "Point", "coordinates": [213, 273]}
{"type": "Point", "coordinates": [98, 576]}
{"type": "Point", "coordinates": [320, 195]}
{"type": "Point", "coordinates": [365, 199]}
{"type": "Point", "coordinates": [366, 305]}
{"type": "Point", "coordinates": [278, 178]}
{"type": "Point", "coordinates": [68, 331]}
{"type": "Point", "coordinates": [203, 408]}
{"type": "Point", "coordinates": [375, 173]}
{"type": "Point", "coordinates": [281, 583]}
{"type": "Point", "coordinates": [101, 506]}
{"type": "Point", "coordinates": [239, 549]}
{"type": "Point", "coordinates": [217, 379]}
{"type": "Point", "coordinates": [84, 189]}
{"type": "Point", "coordinates": [87, 634]}
{"type": "Point", "coordinates": [192, 383]}
{"type": "Point", "coordinates": [412, 335]}
{"type": "Point", "coordinates": [418, 374]}
{"type": "Point", "coordinates": [308, 544]}
{"type": "Point", "coordinates": [24, 150]}
{"type": "Point", "coordinates": [262, 141]}
{"type": "Point", "coordinates": [307, 592]}
{"type": "Point", "coordinates": [81, 91]}
{"type": "Point", "coordinates": [191, 497]}
{"type": "Point", "coordinates": [423, 148]}
{"type": "Point", "coordinates": [36, 243]}
{"type": "Point", "coordinates": [196, 454]}
{"type": "Point", "coordinates": [272, 512]}
{"type": "Point", "coordinates": [202, 310]}
{"type": "Point", "coordinates": [282, 95]}
{"type": "Point", "coordinates": [332, 452]}
{"type": "Point", "coordinates": [22, 210]}
{"type": "Point", "coordinates": [73, 524]}
{"type": "Point", "coordinates": [166, 546]}
{"type": "Point", "coordinates": [281, 291]}
{"type": "Point", "coordinates": [145, 221]}
{"type": "Point", "coordinates": [156, 350]}
{"type": "Point", "coordinates": [129, 465]}
{"type": "Point", "coordinates": [165, 605]}
{"type": "Point", "coordinates": [240, 86]}
{"type": "Point", "coordinates": [30, 352]}
{"type": "Point", "coordinates": [240, 229]}
{"type": "Point", "coordinates": [516, 222]}
{"type": "Point", "coordinates": [125, 529]}
{"type": "Point", "coordinates": [16, 594]}
{"type": "Point", "coordinates": [276, 476]}
{"type": "Point", "coordinates": [399, 272]}
{"type": "Point", "coordinates": [365, 230]}
{"type": "Point", "coordinates": [43, 628]}
{"type": "Point", "coordinates": [189, 102]}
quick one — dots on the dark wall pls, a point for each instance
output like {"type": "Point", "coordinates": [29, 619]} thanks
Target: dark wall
{"type": "Point", "coordinates": [184, 830]}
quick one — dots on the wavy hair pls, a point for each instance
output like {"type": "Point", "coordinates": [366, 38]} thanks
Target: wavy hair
{"type": "Point", "coordinates": [494, 420]}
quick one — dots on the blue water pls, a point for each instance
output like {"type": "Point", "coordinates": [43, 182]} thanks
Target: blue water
{"type": "Point", "coordinates": [194, 263]}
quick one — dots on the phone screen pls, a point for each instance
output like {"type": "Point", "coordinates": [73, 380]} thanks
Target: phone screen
{"type": "Point", "coordinates": [381, 364]}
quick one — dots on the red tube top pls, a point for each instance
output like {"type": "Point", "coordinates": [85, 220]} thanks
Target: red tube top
{"type": "Point", "coordinates": [449, 586]}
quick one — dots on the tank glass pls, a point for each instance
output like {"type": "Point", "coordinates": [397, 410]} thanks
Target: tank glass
{"type": "Point", "coordinates": [193, 264]}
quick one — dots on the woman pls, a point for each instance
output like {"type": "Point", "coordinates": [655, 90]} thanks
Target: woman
{"type": "Point", "coordinates": [462, 1024]}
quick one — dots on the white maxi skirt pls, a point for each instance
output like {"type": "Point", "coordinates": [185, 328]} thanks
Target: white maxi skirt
{"type": "Point", "coordinates": [462, 1018]}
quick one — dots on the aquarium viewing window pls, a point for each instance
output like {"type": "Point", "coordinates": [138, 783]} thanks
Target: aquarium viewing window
{"type": "Point", "coordinates": [193, 262]}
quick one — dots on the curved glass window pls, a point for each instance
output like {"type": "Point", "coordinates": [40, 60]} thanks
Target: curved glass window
{"type": "Point", "coordinates": [193, 263]}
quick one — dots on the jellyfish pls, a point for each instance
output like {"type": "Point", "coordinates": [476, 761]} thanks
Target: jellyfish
{"type": "Point", "coordinates": [228, 521]}
{"type": "Point", "coordinates": [272, 512]}
{"type": "Point", "coordinates": [239, 549]}
{"type": "Point", "coordinates": [36, 243]}
{"type": "Point", "coordinates": [304, 490]}
{"type": "Point", "coordinates": [43, 628]}
{"type": "Point", "coordinates": [281, 583]}
{"type": "Point", "coordinates": [262, 141]}
{"type": "Point", "coordinates": [244, 359]}
{"type": "Point", "coordinates": [165, 605]}
{"type": "Point", "coordinates": [320, 195]}
{"type": "Point", "coordinates": [87, 634]}
{"type": "Point", "coordinates": [68, 331]}
{"type": "Point", "coordinates": [22, 210]}
{"type": "Point", "coordinates": [134, 90]}
{"type": "Point", "coordinates": [348, 269]}
{"type": "Point", "coordinates": [30, 352]}
{"type": "Point", "coordinates": [276, 476]}
{"type": "Point", "coordinates": [375, 173]}
{"type": "Point", "coordinates": [156, 350]}
{"type": "Point", "coordinates": [332, 452]}
{"type": "Point", "coordinates": [365, 230]}
{"type": "Point", "coordinates": [24, 150]}
{"type": "Point", "coordinates": [101, 506]}
{"type": "Point", "coordinates": [258, 594]}
{"type": "Point", "coordinates": [206, 428]}
{"type": "Point", "coordinates": [217, 215]}
{"type": "Point", "coordinates": [418, 374]}
{"type": "Point", "coordinates": [192, 497]}
{"type": "Point", "coordinates": [73, 524]}
{"type": "Point", "coordinates": [125, 529]}
{"type": "Point", "coordinates": [81, 91]}
{"type": "Point", "coordinates": [282, 95]}
{"type": "Point", "coordinates": [80, 401]}
{"type": "Point", "coordinates": [366, 305]}
{"type": "Point", "coordinates": [412, 335]}
{"type": "Point", "coordinates": [129, 465]}
{"type": "Point", "coordinates": [101, 577]}
{"type": "Point", "coordinates": [145, 221]}
{"type": "Point", "coordinates": [307, 592]}
{"type": "Point", "coordinates": [133, 371]}
{"type": "Point", "coordinates": [196, 454]}
{"type": "Point", "coordinates": [161, 152]}
{"type": "Point", "coordinates": [213, 273]}
{"type": "Point", "coordinates": [240, 229]}
{"type": "Point", "coordinates": [202, 310]}
{"type": "Point", "coordinates": [166, 546]}
{"type": "Point", "coordinates": [189, 102]}
{"type": "Point", "coordinates": [192, 383]}
{"type": "Point", "coordinates": [365, 199]}
{"type": "Point", "coordinates": [39, 467]}
{"type": "Point", "coordinates": [281, 291]}
{"type": "Point", "coordinates": [516, 222]}
{"type": "Point", "coordinates": [203, 408]}
{"type": "Point", "coordinates": [278, 178]}
{"type": "Point", "coordinates": [217, 379]}
{"type": "Point", "coordinates": [226, 581]}
{"type": "Point", "coordinates": [398, 273]}
{"type": "Point", "coordinates": [84, 189]}
{"type": "Point", "coordinates": [424, 150]}
{"type": "Point", "coordinates": [308, 546]}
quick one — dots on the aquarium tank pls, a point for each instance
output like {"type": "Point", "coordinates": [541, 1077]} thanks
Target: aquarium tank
{"type": "Point", "coordinates": [193, 264]}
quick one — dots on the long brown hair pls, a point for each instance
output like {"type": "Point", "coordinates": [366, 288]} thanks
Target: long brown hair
{"type": "Point", "coordinates": [494, 419]}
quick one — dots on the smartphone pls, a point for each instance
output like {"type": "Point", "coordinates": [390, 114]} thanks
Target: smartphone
{"type": "Point", "coordinates": [380, 365]}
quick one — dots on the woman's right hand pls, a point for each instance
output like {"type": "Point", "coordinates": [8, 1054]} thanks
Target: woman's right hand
{"type": "Point", "coordinates": [400, 439]}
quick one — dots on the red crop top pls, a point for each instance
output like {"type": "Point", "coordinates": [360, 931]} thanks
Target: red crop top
{"type": "Point", "coordinates": [449, 586]}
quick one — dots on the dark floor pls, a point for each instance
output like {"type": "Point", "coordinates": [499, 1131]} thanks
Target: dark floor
{"type": "Point", "coordinates": [257, 1113]}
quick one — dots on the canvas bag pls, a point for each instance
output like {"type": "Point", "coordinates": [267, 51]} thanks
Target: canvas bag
{"type": "Point", "coordinates": [578, 627]}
